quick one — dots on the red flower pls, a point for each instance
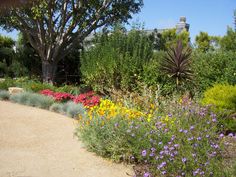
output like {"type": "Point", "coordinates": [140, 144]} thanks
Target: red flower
{"type": "Point", "coordinates": [89, 99]}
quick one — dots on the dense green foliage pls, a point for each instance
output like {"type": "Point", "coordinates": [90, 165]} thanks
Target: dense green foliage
{"type": "Point", "coordinates": [169, 37]}
{"type": "Point", "coordinates": [6, 55]}
{"type": "Point", "coordinates": [228, 42]}
{"type": "Point", "coordinates": [34, 85]}
{"type": "Point", "coordinates": [55, 28]}
{"type": "Point", "coordinates": [205, 42]}
{"type": "Point", "coordinates": [223, 96]}
{"type": "Point", "coordinates": [116, 61]}
{"type": "Point", "coordinates": [213, 67]}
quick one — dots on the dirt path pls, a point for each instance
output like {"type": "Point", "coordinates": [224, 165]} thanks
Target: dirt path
{"type": "Point", "coordinates": [39, 143]}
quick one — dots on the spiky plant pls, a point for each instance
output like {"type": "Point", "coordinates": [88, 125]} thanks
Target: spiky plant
{"type": "Point", "coordinates": [176, 63]}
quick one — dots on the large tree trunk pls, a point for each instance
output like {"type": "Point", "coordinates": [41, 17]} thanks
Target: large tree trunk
{"type": "Point", "coordinates": [49, 71]}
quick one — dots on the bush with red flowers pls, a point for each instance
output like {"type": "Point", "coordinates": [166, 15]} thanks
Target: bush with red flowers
{"type": "Point", "coordinates": [88, 99]}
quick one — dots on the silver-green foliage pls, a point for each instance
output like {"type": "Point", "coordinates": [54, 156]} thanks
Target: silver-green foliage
{"type": "Point", "coordinates": [73, 110]}
{"type": "Point", "coordinates": [4, 95]}
{"type": "Point", "coordinates": [32, 99]}
{"type": "Point", "coordinates": [56, 107]}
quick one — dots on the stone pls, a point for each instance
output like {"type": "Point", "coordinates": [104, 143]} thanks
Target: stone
{"type": "Point", "coordinates": [14, 90]}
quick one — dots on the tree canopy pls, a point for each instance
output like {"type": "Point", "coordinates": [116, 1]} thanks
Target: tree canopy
{"type": "Point", "coordinates": [55, 27]}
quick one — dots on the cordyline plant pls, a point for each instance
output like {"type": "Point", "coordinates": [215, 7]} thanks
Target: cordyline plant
{"type": "Point", "coordinates": [176, 63]}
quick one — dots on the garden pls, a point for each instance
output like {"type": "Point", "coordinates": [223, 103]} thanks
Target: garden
{"type": "Point", "coordinates": [150, 100]}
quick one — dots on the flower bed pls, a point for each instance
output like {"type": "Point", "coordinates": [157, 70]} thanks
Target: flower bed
{"type": "Point", "coordinates": [183, 142]}
{"type": "Point", "coordinates": [88, 99]}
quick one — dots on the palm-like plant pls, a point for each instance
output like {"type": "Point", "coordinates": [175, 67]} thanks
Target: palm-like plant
{"type": "Point", "coordinates": [176, 63]}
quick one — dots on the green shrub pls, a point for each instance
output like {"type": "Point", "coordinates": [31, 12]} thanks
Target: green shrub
{"type": "Point", "coordinates": [223, 96]}
{"type": "Point", "coordinates": [116, 61]}
{"type": "Point", "coordinates": [214, 67]}
{"type": "Point", "coordinates": [74, 90]}
{"type": "Point", "coordinates": [32, 99]}
{"type": "Point", "coordinates": [73, 110]}
{"type": "Point", "coordinates": [6, 83]}
{"type": "Point", "coordinates": [4, 95]}
{"type": "Point", "coordinates": [56, 107]}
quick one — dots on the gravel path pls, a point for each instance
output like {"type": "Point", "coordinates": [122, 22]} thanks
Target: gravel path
{"type": "Point", "coordinates": [39, 143]}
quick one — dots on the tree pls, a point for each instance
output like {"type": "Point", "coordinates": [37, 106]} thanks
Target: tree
{"type": "Point", "coordinates": [55, 27]}
{"type": "Point", "coordinates": [205, 42]}
{"type": "Point", "coordinates": [167, 38]}
{"type": "Point", "coordinates": [228, 42]}
{"type": "Point", "coordinates": [6, 53]}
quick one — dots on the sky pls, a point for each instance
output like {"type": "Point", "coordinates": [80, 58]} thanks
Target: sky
{"type": "Point", "coordinates": [212, 16]}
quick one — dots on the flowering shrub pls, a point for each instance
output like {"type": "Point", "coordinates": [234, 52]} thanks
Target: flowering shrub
{"type": "Point", "coordinates": [88, 99]}
{"type": "Point", "coordinates": [58, 96]}
{"type": "Point", "coordinates": [182, 142]}
{"type": "Point", "coordinates": [109, 110]}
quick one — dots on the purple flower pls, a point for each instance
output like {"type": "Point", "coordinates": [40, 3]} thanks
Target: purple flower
{"type": "Point", "coordinates": [190, 139]}
{"type": "Point", "coordinates": [194, 155]}
{"type": "Point", "coordinates": [163, 164]}
{"type": "Point", "coordinates": [153, 149]}
{"type": "Point", "coordinates": [163, 172]}
{"type": "Point", "coordinates": [144, 153]}
{"type": "Point", "coordinates": [162, 152]}
{"type": "Point", "coordinates": [195, 173]}
{"type": "Point", "coordinates": [192, 127]}
{"type": "Point", "coordinates": [202, 173]}
{"type": "Point", "coordinates": [165, 147]}
{"type": "Point", "coordinates": [146, 174]}
{"type": "Point", "coordinates": [207, 136]}
{"type": "Point", "coordinates": [185, 131]}
{"type": "Point", "coordinates": [184, 160]}
{"type": "Point", "coordinates": [214, 120]}
{"type": "Point", "coordinates": [199, 138]}
{"type": "Point", "coordinates": [230, 134]}
{"type": "Point", "coordinates": [173, 138]}
{"type": "Point", "coordinates": [152, 154]}
{"type": "Point", "coordinates": [181, 130]}
{"type": "Point", "coordinates": [160, 143]}
{"type": "Point", "coordinates": [176, 145]}
{"type": "Point", "coordinates": [116, 124]}
{"type": "Point", "coordinates": [221, 135]}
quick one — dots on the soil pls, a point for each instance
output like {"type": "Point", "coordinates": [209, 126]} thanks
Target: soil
{"type": "Point", "coordinates": [39, 143]}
